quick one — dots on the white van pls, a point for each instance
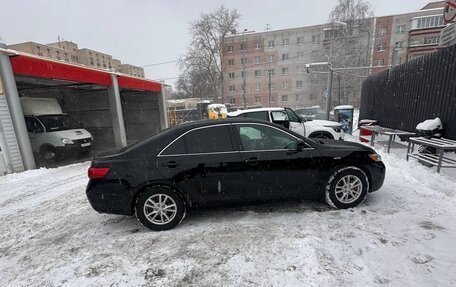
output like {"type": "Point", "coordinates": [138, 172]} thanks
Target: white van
{"type": "Point", "coordinates": [54, 135]}
{"type": "Point", "coordinates": [289, 119]}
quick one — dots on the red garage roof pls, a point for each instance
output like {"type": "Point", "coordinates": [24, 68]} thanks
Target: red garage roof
{"type": "Point", "coordinates": [32, 66]}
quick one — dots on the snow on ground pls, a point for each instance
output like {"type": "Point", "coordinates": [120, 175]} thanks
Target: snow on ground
{"type": "Point", "coordinates": [402, 235]}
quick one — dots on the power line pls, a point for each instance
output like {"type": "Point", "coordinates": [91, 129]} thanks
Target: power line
{"type": "Point", "coordinates": [158, 64]}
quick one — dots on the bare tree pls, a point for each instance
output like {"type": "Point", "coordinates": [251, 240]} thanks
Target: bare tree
{"type": "Point", "coordinates": [348, 44]}
{"type": "Point", "coordinates": [202, 61]}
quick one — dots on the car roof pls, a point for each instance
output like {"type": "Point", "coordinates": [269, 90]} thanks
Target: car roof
{"type": "Point", "coordinates": [203, 123]}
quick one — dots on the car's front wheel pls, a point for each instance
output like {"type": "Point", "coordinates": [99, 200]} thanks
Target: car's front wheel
{"type": "Point", "coordinates": [347, 187]}
{"type": "Point", "coordinates": [160, 208]}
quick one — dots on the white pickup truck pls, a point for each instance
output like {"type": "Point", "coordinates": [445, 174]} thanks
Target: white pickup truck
{"type": "Point", "coordinates": [288, 118]}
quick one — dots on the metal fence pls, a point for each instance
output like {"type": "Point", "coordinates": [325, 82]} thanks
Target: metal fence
{"type": "Point", "coordinates": [406, 95]}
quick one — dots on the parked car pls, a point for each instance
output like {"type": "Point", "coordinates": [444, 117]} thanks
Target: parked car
{"type": "Point", "coordinates": [289, 119]}
{"type": "Point", "coordinates": [229, 161]}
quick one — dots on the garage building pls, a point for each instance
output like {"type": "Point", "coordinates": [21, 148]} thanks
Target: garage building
{"type": "Point", "coordinates": [116, 109]}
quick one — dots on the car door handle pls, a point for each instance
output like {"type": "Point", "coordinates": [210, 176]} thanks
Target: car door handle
{"type": "Point", "coordinates": [252, 160]}
{"type": "Point", "coordinates": [171, 164]}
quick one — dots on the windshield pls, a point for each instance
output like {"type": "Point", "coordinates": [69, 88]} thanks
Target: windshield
{"type": "Point", "coordinates": [55, 123]}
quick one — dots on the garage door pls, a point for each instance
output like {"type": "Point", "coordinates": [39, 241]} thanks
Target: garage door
{"type": "Point", "coordinates": [10, 153]}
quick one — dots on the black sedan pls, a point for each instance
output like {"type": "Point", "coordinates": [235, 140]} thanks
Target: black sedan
{"type": "Point", "coordinates": [230, 161]}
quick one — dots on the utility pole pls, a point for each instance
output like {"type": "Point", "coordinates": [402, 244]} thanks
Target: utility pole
{"type": "Point", "coordinates": [243, 68]}
{"type": "Point", "coordinates": [269, 85]}
{"type": "Point", "coordinates": [269, 71]}
{"type": "Point", "coordinates": [329, 87]}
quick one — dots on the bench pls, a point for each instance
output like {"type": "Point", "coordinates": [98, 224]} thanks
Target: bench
{"type": "Point", "coordinates": [391, 133]}
{"type": "Point", "coordinates": [438, 159]}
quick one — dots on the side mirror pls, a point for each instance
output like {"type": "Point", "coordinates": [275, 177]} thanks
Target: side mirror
{"type": "Point", "coordinates": [300, 145]}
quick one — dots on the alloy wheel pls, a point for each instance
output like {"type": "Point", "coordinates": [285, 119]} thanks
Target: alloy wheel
{"type": "Point", "coordinates": [160, 209]}
{"type": "Point", "coordinates": [349, 189]}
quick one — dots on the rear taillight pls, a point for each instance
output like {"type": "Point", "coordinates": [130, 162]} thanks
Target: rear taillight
{"type": "Point", "coordinates": [98, 172]}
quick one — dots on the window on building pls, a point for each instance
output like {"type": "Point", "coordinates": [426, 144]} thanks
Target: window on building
{"type": "Point", "coordinates": [231, 75]}
{"type": "Point", "coordinates": [331, 34]}
{"type": "Point", "coordinates": [231, 62]}
{"type": "Point", "coordinates": [244, 74]}
{"type": "Point", "coordinates": [284, 85]}
{"type": "Point", "coordinates": [400, 29]}
{"type": "Point", "coordinates": [300, 40]}
{"type": "Point", "coordinates": [271, 58]}
{"type": "Point", "coordinates": [232, 88]}
{"type": "Point", "coordinates": [382, 31]}
{"type": "Point", "coordinates": [316, 39]}
{"type": "Point", "coordinates": [257, 87]}
{"type": "Point", "coordinates": [380, 63]}
{"type": "Point", "coordinates": [257, 73]}
{"type": "Point", "coordinates": [301, 69]}
{"type": "Point", "coordinates": [257, 99]}
{"type": "Point", "coordinates": [433, 40]}
{"type": "Point", "coordinates": [230, 49]}
{"type": "Point", "coordinates": [257, 45]}
{"type": "Point", "coordinates": [399, 45]}
{"type": "Point", "coordinates": [243, 47]}
{"type": "Point", "coordinates": [257, 59]}
{"type": "Point", "coordinates": [244, 61]}
{"type": "Point", "coordinates": [271, 43]}
{"type": "Point", "coordinates": [381, 47]}
{"type": "Point", "coordinates": [286, 42]}
{"type": "Point", "coordinates": [232, 101]}
{"type": "Point", "coordinates": [271, 72]}
{"type": "Point", "coordinates": [299, 84]}
{"type": "Point", "coordinates": [428, 22]}
{"type": "Point", "coordinates": [284, 71]}
{"type": "Point", "coordinates": [297, 98]}
{"type": "Point", "coordinates": [284, 98]}
{"type": "Point", "coordinates": [285, 57]}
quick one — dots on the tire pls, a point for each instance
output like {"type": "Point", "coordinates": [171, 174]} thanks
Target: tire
{"type": "Point", "coordinates": [48, 155]}
{"type": "Point", "coordinates": [338, 192]}
{"type": "Point", "coordinates": [321, 136]}
{"type": "Point", "coordinates": [160, 208]}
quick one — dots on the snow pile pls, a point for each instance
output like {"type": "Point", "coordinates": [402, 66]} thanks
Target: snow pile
{"type": "Point", "coordinates": [402, 235]}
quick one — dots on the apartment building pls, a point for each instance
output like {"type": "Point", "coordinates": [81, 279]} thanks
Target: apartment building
{"type": "Point", "coordinates": [281, 55]}
{"type": "Point", "coordinates": [69, 52]}
{"type": "Point", "coordinates": [401, 38]}
{"type": "Point", "coordinates": [131, 70]}
{"type": "Point", "coordinates": [274, 65]}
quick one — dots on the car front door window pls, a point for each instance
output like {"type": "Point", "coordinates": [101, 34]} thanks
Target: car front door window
{"type": "Point", "coordinates": [259, 137]}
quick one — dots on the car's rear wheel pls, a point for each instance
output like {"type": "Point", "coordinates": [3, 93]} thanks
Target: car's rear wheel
{"type": "Point", "coordinates": [346, 188]}
{"type": "Point", "coordinates": [160, 208]}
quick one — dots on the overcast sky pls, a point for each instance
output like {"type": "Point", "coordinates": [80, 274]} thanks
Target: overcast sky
{"type": "Point", "coordinates": [142, 32]}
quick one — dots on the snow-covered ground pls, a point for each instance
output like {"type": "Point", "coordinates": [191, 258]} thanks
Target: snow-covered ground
{"type": "Point", "coordinates": [402, 235]}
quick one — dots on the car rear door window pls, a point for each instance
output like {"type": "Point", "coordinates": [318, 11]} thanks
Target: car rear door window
{"type": "Point", "coordinates": [177, 147]}
{"type": "Point", "coordinates": [209, 140]}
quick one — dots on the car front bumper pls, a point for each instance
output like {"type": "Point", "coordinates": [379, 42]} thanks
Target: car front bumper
{"type": "Point", "coordinates": [377, 172]}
